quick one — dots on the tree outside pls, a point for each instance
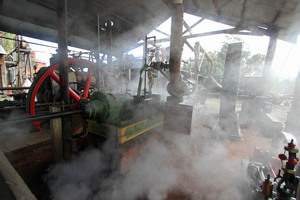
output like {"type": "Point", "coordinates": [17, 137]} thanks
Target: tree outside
{"type": "Point", "coordinates": [8, 45]}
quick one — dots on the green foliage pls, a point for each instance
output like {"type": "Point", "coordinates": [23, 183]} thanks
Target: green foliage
{"type": "Point", "coordinates": [254, 64]}
{"type": "Point", "coordinates": [8, 45]}
{"type": "Point", "coordinates": [250, 64]}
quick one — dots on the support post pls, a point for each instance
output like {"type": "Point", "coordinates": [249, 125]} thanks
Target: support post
{"type": "Point", "coordinates": [267, 72]}
{"type": "Point", "coordinates": [56, 136]}
{"type": "Point", "coordinates": [3, 79]}
{"type": "Point", "coordinates": [176, 45]}
{"type": "Point", "coordinates": [197, 63]}
{"type": "Point", "coordinates": [228, 117]}
{"type": "Point", "coordinates": [63, 75]}
{"type": "Point", "coordinates": [3, 82]}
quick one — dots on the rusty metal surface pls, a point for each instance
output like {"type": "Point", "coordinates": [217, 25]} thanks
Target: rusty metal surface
{"type": "Point", "coordinates": [176, 45]}
{"type": "Point", "coordinates": [178, 117]}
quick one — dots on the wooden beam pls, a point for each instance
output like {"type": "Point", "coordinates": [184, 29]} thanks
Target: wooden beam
{"type": "Point", "coordinates": [279, 12]}
{"type": "Point", "coordinates": [187, 27]}
{"type": "Point", "coordinates": [162, 32]}
{"type": "Point", "coordinates": [243, 11]}
{"type": "Point", "coordinates": [196, 4]}
{"type": "Point", "coordinates": [56, 136]}
{"type": "Point", "coordinates": [44, 4]}
{"type": "Point", "coordinates": [116, 7]}
{"type": "Point", "coordinates": [189, 45]}
{"type": "Point", "coordinates": [226, 31]}
{"type": "Point", "coordinates": [267, 71]}
{"type": "Point", "coordinates": [216, 6]}
{"type": "Point", "coordinates": [195, 24]}
{"type": "Point", "coordinates": [110, 11]}
{"type": "Point", "coordinates": [3, 82]}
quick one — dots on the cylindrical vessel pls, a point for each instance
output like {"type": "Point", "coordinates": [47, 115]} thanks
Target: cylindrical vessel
{"type": "Point", "coordinates": [105, 107]}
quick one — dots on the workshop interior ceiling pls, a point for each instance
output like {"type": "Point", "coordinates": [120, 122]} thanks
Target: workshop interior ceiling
{"type": "Point", "coordinates": [133, 19]}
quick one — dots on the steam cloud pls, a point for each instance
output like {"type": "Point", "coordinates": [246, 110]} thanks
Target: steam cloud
{"type": "Point", "coordinates": [196, 165]}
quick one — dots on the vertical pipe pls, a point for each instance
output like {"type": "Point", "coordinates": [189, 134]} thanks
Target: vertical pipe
{"type": "Point", "coordinates": [19, 61]}
{"type": "Point", "coordinates": [145, 63]}
{"type": "Point", "coordinates": [63, 75]}
{"type": "Point", "coordinates": [196, 65]}
{"type": "Point", "coordinates": [176, 44]}
{"type": "Point", "coordinates": [30, 68]}
{"type": "Point", "coordinates": [109, 25]}
{"type": "Point", "coordinates": [269, 61]}
{"type": "Point", "coordinates": [98, 75]}
{"type": "Point", "coordinates": [63, 50]}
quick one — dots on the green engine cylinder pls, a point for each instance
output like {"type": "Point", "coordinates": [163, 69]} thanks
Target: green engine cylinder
{"type": "Point", "coordinates": [105, 107]}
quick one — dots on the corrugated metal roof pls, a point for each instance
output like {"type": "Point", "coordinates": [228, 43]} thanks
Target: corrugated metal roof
{"type": "Point", "coordinates": [133, 19]}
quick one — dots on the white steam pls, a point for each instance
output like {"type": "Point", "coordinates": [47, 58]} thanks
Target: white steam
{"type": "Point", "coordinates": [196, 164]}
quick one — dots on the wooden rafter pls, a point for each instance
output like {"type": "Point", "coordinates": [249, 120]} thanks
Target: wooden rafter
{"type": "Point", "coordinates": [279, 12]}
{"type": "Point", "coordinates": [243, 11]}
{"type": "Point", "coordinates": [196, 4]}
{"type": "Point", "coordinates": [166, 34]}
{"type": "Point", "coordinates": [112, 10]}
{"type": "Point", "coordinates": [44, 4]}
{"type": "Point", "coordinates": [216, 6]}
{"type": "Point", "coordinates": [189, 45]}
{"type": "Point", "coordinates": [77, 18]}
{"type": "Point", "coordinates": [195, 24]}
{"type": "Point", "coordinates": [112, 13]}
{"type": "Point", "coordinates": [187, 27]}
{"type": "Point", "coordinates": [116, 7]}
{"type": "Point", "coordinates": [225, 31]}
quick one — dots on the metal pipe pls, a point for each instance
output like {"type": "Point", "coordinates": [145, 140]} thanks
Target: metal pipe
{"type": "Point", "coordinates": [98, 75]}
{"type": "Point", "coordinates": [63, 50]}
{"type": "Point", "coordinates": [176, 44]}
{"type": "Point", "coordinates": [40, 117]}
{"type": "Point", "coordinates": [109, 26]}
{"type": "Point", "coordinates": [145, 61]}
{"type": "Point", "coordinates": [14, 88]}
{"type": "Point", "coordinates": [63, 75]}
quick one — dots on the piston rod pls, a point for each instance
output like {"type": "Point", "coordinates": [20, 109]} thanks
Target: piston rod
{"type": "Point", "coordinates": [40, 117]}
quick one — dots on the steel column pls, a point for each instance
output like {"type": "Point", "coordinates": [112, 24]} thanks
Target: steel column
{"type": "Point", "coordinates": [176, 44]}
{"type": "Point", "coordinates": [109, 27]}
{"type": "Point", "coordinates": [63, 74]}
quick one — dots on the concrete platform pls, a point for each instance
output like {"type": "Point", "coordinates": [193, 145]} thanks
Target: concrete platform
{"type": "Point", "coordinates": [23, 157]}
{"type": "Point", "coordinates": [12, 186]}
